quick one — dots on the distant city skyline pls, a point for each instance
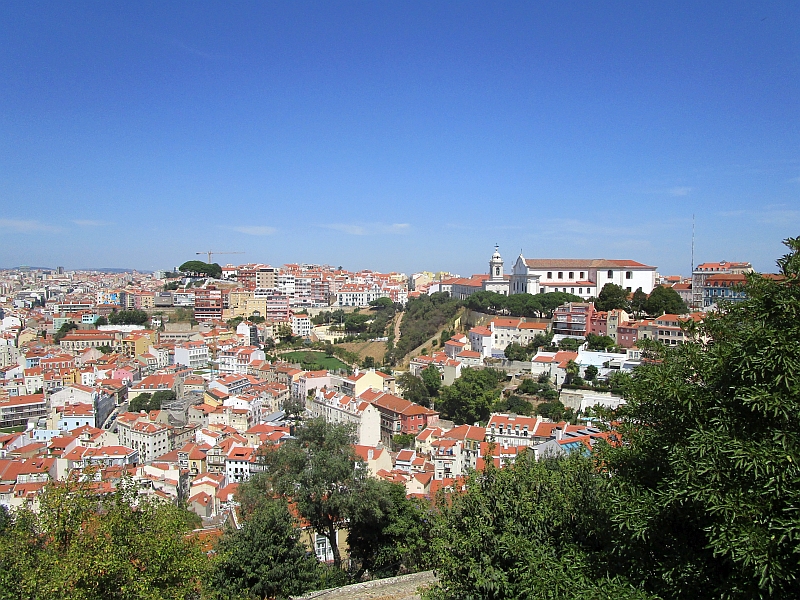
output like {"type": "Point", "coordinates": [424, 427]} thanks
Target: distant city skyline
{"type": "Point", "coordinates": [401, 137]}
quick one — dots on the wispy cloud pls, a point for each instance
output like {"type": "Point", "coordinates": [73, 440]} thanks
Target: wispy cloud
{"type": "Point", "coordinates": [89, 223]}
{"type": "Point", "coordinates": [254, 229]}
{"type": "Point", "coordinates": [585, 228]}
{"type": "Point", "coordinates": [587, 236]}
{"type": "Point", "coordinates": [778, 217]}
{"type": "Point", "coordinates": [192, 50]}
{"type": "Point", "coordinates": [26, 226]}
{"type": "Point", "coordinates": [345, 228]}
{"type": "Point", "coordinates": [368, 228]}
{"type": "Point", "coordinates": [679, 191]}
{"type": "Point", "coordinates": [776, 214]}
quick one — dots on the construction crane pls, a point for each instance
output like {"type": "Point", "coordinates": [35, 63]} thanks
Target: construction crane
{"type": "Point", "coordinates": [211, 252]}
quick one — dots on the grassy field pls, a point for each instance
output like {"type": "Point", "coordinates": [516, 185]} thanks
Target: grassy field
{"type": "Point", "coordinates": [319, 359]}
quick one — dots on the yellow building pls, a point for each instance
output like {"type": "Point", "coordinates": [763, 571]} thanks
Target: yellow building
{"type": "Point", "coordinates": [138, 342]}
{"type": "Point", "coordinates": [237, 299]}
{"type": "Point", "coordinates": [147, 301]}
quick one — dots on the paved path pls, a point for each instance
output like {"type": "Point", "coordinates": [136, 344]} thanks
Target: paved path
{"type": "Point", "coordinates": [405, 587]}
{"type": "Point", "coordinates": [397, 322]}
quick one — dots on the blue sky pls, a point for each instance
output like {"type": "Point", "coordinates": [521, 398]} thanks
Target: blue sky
{"type": "Point", "coordinates": [398, 135]}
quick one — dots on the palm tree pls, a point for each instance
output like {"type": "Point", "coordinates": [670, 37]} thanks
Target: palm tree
{"type": "Point", "coordinates": [572, 369]}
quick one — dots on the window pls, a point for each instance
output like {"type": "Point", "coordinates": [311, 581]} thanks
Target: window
{"type": "Point", "coordinates": [572, 275]}
{"type": "Point", "coordinates": [571, 290]}
{"type": "Point", "coordinates": [580, 290]}
{"type": "Point", "coordinates": [581, 275]}
{"type": "Point", "coordinates": [549, 274]}
{"type": "Point", "coordinates": [561, 275]}
{"type": "Point", "coordinates": [611, 274]}
{"type": "Point", "coordinates": [628, 274]}
{"type": "Point", "coordinates": [628, 288]}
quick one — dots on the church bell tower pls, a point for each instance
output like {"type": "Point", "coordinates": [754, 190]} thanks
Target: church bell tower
{"type": "Point", "coordinates": [496, 265]}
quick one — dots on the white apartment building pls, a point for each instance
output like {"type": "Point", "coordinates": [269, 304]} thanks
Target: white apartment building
{"type": "Point", "coordinates": [148, 433]}
{"type": "Point", "coordinates": [254, 406]}
{"type": "Point", "coordinates": [512, 330]}
{"type": "Point", "coordinates": [480, 341]}
{"type": "Point", "coordinates": [238, 462]}
{"type": "Point", "coordinates": [183, 299]}
{"type": "Point", "coordinates": [338, 408]}
{"type": "Point", "coordinates": [237, 360]}
{"type": "Point", "coordinates": [286, 284]}
{"type": "Point", "coordinates": [448, 459]}
{"type": "Point", "coordinates": [359, 294]}
{"type": "Point", "coordinates": [248, 332]}
{"type": "Point", "coordinates": [509, 430]}
{"type": "Point", "coordinates": [301, 325]}
{"type": "Point", "coordinates": [9, 355]}
{"type": "Point", "coordinates": [192, 354]}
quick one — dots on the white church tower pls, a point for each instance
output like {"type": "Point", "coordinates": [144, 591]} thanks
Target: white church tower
{"type": "Point", "coordinates": [496, 265]}
{"type": "Point", "coordinates": [497, 281]}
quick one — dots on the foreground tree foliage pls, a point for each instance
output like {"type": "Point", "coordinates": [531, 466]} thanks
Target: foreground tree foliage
{"type": "Point", "coordinates": [319, 473]}
{"type": "Point", "coordinates": [388, 533]}
{"type": "Point", "coordinates": [265, 558]}
{"type": "Point", "coordinates": [706, 487]}
{"type": "Point", "coordinates": [699, 499]}
{"type": "Point", "coordinates": [84, 546]}
{"type": "Point", "coordinates": [531, 530]}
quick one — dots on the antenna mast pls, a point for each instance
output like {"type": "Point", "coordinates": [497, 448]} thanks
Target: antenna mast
{"type": "Point", "coordinates": [692, 271]}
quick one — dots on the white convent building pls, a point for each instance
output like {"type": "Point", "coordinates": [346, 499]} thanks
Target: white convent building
{"type": "Point", "coordinates": [581, 277]}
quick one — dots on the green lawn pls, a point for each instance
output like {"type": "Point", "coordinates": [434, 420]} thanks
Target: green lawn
{"type": "Point", "coordinates": [12, 429]}
{"type": "Point", "coordinates": [320, 360]}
